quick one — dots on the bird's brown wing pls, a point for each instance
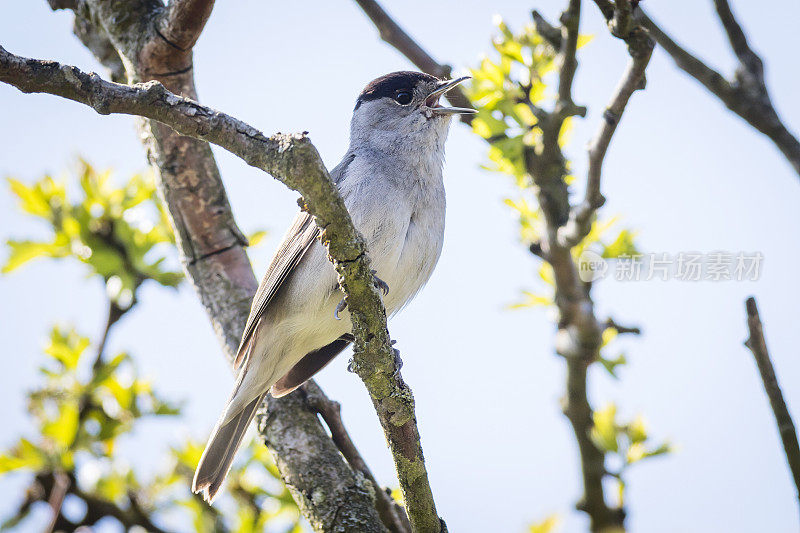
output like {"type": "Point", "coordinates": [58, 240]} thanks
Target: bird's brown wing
{"type": "Point", "coordinates": [295, 244]}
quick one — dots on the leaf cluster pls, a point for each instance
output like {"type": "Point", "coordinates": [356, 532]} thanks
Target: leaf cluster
{"type": "Point", "coordinates": [86, 403]}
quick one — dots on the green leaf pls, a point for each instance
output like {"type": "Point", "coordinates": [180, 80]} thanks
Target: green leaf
{"type": "Point", "coordinates": [107, 368]}
{"type": "Point", "coordinates": [256, 237]}
{"type": "Point", "coordinates": [623, 244]}
{"type": "Point", "coordinates": [611, 364]}
{"type": "Point", "coordinates": [548, 525]}
{"type": "Point", "coordinates": [604, 431]}
{"type": "Point", "coordinates": [66, 347]}
{"type": "Point", "coordinates": [637, 430]}
{"type": "Point", "coordinates": [532, 300]}
{"type": "Point", "coordinates": [124, 397]}
{"type": "Point", "coordinates": [23, 251]}
{"type": "Point", "coordinates": [24, 455]}
{"type": "Point", "coordinates": [583, 40]}
{"type": "Point", "coordinates": [161, 408]}
{"type": "Point", "coordinates": [63, 429]}
{"type": "Point", "coordinates": [31, 199]}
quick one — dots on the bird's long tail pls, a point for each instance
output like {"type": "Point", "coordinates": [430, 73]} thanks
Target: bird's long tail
{"type": "Point", "coordinates": [221, 449]}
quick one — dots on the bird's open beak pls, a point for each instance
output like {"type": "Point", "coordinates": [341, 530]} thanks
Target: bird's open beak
{"type": "Point", "coordinates": [432, 101]}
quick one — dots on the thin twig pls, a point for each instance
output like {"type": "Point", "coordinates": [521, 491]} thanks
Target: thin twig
{"type": "Point", "coordinates": [747, 94]}
{"type": "Point", "coordinates": [736, 36]}
{"type": "Point", "coordinates": [115, 312]}
{"type": "Point", "coordinates": [61, 485]}
{"type": "Point", "coordinates": [570, 22]}
{"type": "Point", "coordinates": [632, 330]}
{"type": "Point", "coordinates": [640, 48]}
{"type": "Point", "coordinates": [550, 33]}
{"type": "Point", "coordinates": [786, 428]}
{"type": "Point", "coordinates": [606, 8]}
{"type": "Point", "coordinates": [294, 161]}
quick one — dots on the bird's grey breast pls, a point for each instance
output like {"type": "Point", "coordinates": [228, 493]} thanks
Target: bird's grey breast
{"type": "Point", "coordinates": [397, 202]}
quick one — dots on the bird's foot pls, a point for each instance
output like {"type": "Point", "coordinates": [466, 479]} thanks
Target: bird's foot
{"type": "Point", "coordinates": [341, 306]}
{"type": "Point", "coordinates": [379, 283]}
{"type": "Point", "coordinates": [398, 363]}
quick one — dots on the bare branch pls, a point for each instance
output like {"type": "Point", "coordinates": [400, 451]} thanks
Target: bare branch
{"type": "Point", "coordinates": [622, 21]}
{"type": "Point", "coordinates": [550, 33]}
{"type": "Point", "coordinates": [640, 48]}
{"type": "Point", "coordinates": [570, 21]}
{"type": "Point", "coordinates": [547, 168]}
{"type": "Point", "coordinates": [391, 33]}
{"type": "Point", "coordinates": [579, 334]}
{"type": "Point", "coordinates": [633, 330]}
{"type": "Point", "coordinates": [61, 484]}
{"type": "Point", "coordinates": [294, 161]}
{"type": "Point", "coordinates": [786, 428]}
{"type": "Point", "coordinates": [606, 8]}
{"type": "Point", "coordinates": [736, 36]}
{"type": "Point", "coordinates": [747, 95]}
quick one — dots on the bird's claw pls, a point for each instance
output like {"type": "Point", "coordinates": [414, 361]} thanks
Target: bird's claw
{"type": "Point", "coordinates": [398, 363]}
{"type": "Point", "coordinates": [379, 283]}
{"type": "Point", "coordinates": [341, 306]}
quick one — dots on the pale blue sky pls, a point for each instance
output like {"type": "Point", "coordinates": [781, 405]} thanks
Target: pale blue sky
{"type": "Point", "coordinates": [685, 173]}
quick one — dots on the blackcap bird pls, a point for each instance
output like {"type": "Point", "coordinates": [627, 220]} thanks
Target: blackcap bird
{"type": "Point", "coordinates": [391, 182]}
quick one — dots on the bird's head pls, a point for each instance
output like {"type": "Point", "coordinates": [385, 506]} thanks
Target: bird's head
{"type": "Point", "coordinates": [401, 110]}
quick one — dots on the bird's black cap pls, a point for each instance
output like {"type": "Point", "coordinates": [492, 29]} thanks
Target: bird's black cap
{"type": "Point", "coordinates": [389, 84]}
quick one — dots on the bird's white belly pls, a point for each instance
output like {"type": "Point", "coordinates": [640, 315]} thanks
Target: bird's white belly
{"type": "Point", "coordinates": [408, 269]}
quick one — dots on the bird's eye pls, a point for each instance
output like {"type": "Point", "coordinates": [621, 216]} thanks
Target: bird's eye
{"type": "Point", "coordinates": [403, 97]}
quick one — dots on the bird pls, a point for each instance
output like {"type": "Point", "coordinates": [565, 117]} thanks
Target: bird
{"type": "Point", "coordinates": [391, 182]}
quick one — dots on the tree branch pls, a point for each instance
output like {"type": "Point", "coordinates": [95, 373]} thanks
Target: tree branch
{"type": "Point", "coordinates": [632, 330]}
{"type": "Point", "coordinates": [578, 338]}
{"type": "Point", "coordinates": [640, 48]}
{"type": "Point", "coordinates": [391, 33]}
{"type": "Point", "coordinates": [115, 312]}
{"type": "Point", "coordinates": [294, 161]}
{"type": "Point", "coordinates": [747, 94]}
{"type": "Point", "coordinates": [61, 485]}
{"type": "Point", "coordinates": [736, 36]}
{"type": "Point", "coordinates": [579, 335]}
{"type": "Point", "coordinates": [786, 428]}
{"type": "Point", "coordinates": [550, 33]}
